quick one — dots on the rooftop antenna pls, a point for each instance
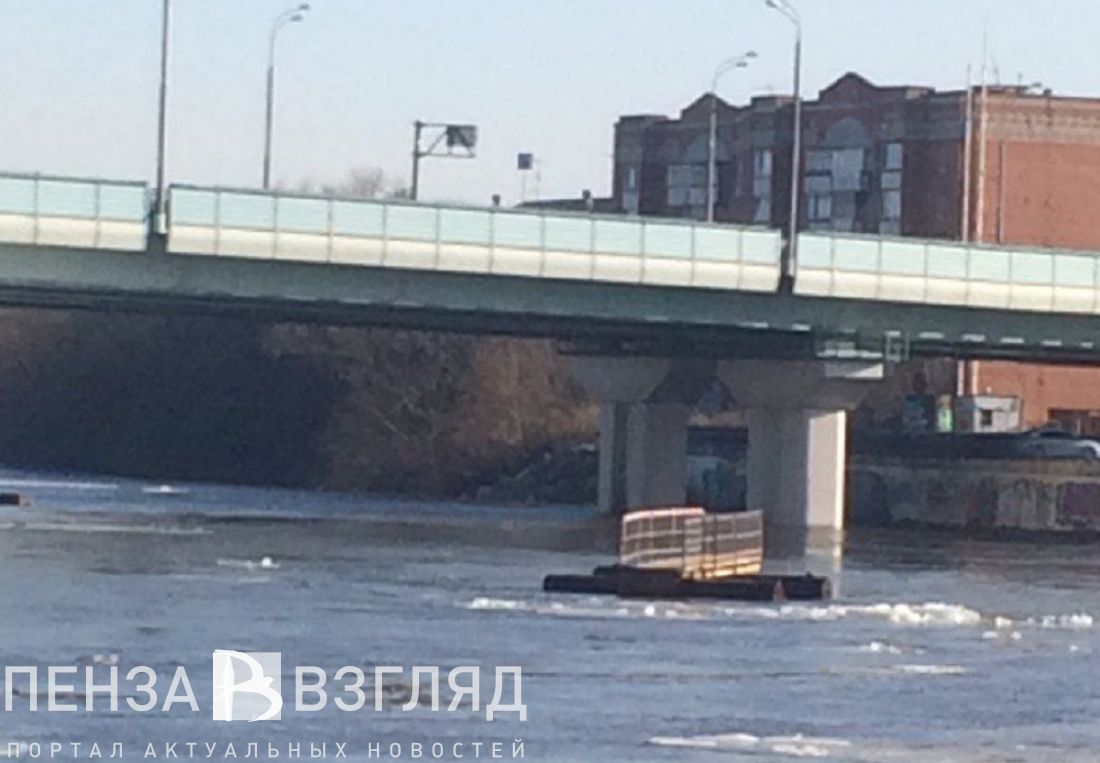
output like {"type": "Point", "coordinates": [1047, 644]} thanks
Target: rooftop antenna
{"type": "Point", "coordinates": [979, 222]}
{"type": "Point", "coordinates": [968, 153]}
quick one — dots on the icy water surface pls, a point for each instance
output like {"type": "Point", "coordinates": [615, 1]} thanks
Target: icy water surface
{"type": "Point", "coordinates": [938, 649]}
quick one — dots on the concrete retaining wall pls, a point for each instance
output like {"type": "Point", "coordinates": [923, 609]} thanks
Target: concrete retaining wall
{"type": "Point", "coordinates": [1010, 494]}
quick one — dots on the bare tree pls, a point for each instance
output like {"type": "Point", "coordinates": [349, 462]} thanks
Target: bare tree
{"type": "Point", "coordinates": [366, 183]}
{"type": "Point", "coordinates": [359, 183]}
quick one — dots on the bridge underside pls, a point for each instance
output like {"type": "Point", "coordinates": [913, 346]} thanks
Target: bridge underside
{"type": "Point", "coordinates": [796, 414]}
{"type": "Point", "coordinates": [596, 317]}
{"type": "Point", "coordinates": [793, 363]}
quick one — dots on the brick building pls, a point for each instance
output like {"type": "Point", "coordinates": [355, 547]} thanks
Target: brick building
{"type": "Point", "coordinates": [1004, 165]}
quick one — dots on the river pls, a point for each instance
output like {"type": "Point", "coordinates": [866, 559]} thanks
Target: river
{"type": "Point", "coordinates": [937, 649]}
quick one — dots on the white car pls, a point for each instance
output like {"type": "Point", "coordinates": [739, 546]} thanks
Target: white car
{"type": "Point", "coordinates": [1054, 443]}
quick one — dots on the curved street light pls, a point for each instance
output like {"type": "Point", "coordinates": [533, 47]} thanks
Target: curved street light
{"type": "Point", "coordinates": [157, 213]}
{"type": "Point", "coordinates": [791, 13]}
{"type": "Point", "coordinates": [738, 62]}
{"type": "Point", "coordinates": [291, 16]}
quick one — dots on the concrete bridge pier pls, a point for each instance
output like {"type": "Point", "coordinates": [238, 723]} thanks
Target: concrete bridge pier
{"type": "Point", "coordinates": [796, 413]}
{"type": "Point", "coordinates": [644, 409]}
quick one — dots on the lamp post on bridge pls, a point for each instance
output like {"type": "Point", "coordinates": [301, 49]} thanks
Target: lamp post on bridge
{"type": "Point", "coordinates": [292, 16]}
{"type": "Point", "coordinates": [739, 62]}
{"type": "Point", "coordinates": [791, 14]}
{"type": "Point", "coordinates": [157, 217]}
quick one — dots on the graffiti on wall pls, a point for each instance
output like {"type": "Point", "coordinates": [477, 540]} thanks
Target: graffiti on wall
{"type": "Point", "coordinates": [1079, 504]}
{"type": "Point", "coordinates": [981, 510]}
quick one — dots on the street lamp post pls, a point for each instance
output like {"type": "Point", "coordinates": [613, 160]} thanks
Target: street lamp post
{"type": "Point", "coordinates": [740, 62]}
{"type": "Point", "coordinates": [157, 218]}
{"type": "Point", "coordinates": [292, 16]}
{"type": "Point", "coordinates": [784, 7]}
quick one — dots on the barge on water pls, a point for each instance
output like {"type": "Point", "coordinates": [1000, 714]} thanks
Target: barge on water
{"type": "Point", "coordinates": [686, 553]}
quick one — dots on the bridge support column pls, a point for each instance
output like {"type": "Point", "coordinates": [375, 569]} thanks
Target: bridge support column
{"type": "Point", "coordinates": [797, 419]}
{"type": "Point", "coordinates": [656, 455]}
{"type": "Point", "coordinates": [643, 431]}
{"type": "Point", "coordinates": [796, 466]}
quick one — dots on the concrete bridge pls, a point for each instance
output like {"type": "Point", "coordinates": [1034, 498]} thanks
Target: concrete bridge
{"type": "Point", "coordinates": [652, 309]}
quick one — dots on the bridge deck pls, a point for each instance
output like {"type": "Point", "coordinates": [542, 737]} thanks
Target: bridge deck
{"type": "Point", "coordinates": [83, 243]}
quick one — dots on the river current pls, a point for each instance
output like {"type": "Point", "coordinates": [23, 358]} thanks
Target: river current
{"type": "Point", "coordinates": [937, 648]}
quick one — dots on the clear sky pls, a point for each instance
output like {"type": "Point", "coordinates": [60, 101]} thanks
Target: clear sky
{"type": "Point", "coordinates": [79, 77]}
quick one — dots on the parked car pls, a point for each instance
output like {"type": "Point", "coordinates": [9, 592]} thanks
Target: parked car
{"type": "Point", "coordinates": [1054, 443]}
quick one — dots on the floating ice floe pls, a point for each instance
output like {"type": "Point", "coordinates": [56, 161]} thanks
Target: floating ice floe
{"type": "Point", "coordinates": [106, 659]}
{"type": "Point", "coordinates": [1074, 622]}
{"type": "Point", "coordinates": [934, 613]}
{"type": "Point", "coordinates": [165, 490]}
{"type": "Point", "coordinates": [265, 563]}
{"type": "Point", "coordinates": [928, 614]}
{"type": "Point", "coordinates": [932, 670]}
{"type": "Point", "coordinates": [879, 647]}
{"type": "Point", "coordinates": [797, 745]}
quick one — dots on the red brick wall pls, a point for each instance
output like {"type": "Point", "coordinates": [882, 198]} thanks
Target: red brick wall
{"type": "Point", "coordinates": [1041, 388]}
{"type": "Point", "coordinates": [1042, 194]}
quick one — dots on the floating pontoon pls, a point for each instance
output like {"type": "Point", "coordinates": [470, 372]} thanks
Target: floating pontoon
{"type": "Point", "coordinates": [687, 553]}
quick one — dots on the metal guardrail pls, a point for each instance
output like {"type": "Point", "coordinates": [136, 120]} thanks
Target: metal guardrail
{"type": "Point", "coordinates": [698, 545]}
{"type": "Point", "coordinates": [945, 272]}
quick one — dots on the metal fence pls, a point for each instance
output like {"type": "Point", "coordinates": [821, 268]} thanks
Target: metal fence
{"type": "Point", "coordinates": [700, 546]}
{"type": "Point", "coordinates": [949, 273]}
{"type": "Point", "coordinates": [529, 243]}
{"type": "Point", "coordinates": [51, 211]}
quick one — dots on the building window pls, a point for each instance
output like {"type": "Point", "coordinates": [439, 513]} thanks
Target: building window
{"type": "Point", "coordinates": [819, 208]}
{"type": "Point", "coordinates": [894, 156]}
{"type": "Point", "coordinates": [762, 185]}
{"type": "Point", "coordinates": [762, 162]}
{"type": "Point", "coordinates": [762, 212]}
{"type": "Point", "coordinates": [843, 169]}
{"type": "Point", "coordinates": [631, 198]}
{"type": "Point", "coordinates": [891, 205]}
{"type": "Point", "coordinates": [848, 169]}
{"type": "Point", "coordinates": [819, 161]}
{"type": "Point", "coordinates": [819, 183]}
{"type": "Point", "coordinates": [687, 185]}
{"type": "Point", "coordinates": [631, 202]}
{"type": "Point", "coordinates": [1082, 423]}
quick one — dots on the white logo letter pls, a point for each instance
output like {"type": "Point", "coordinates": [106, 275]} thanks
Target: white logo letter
{"type": "Point", "coordinates": [261, 685]}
